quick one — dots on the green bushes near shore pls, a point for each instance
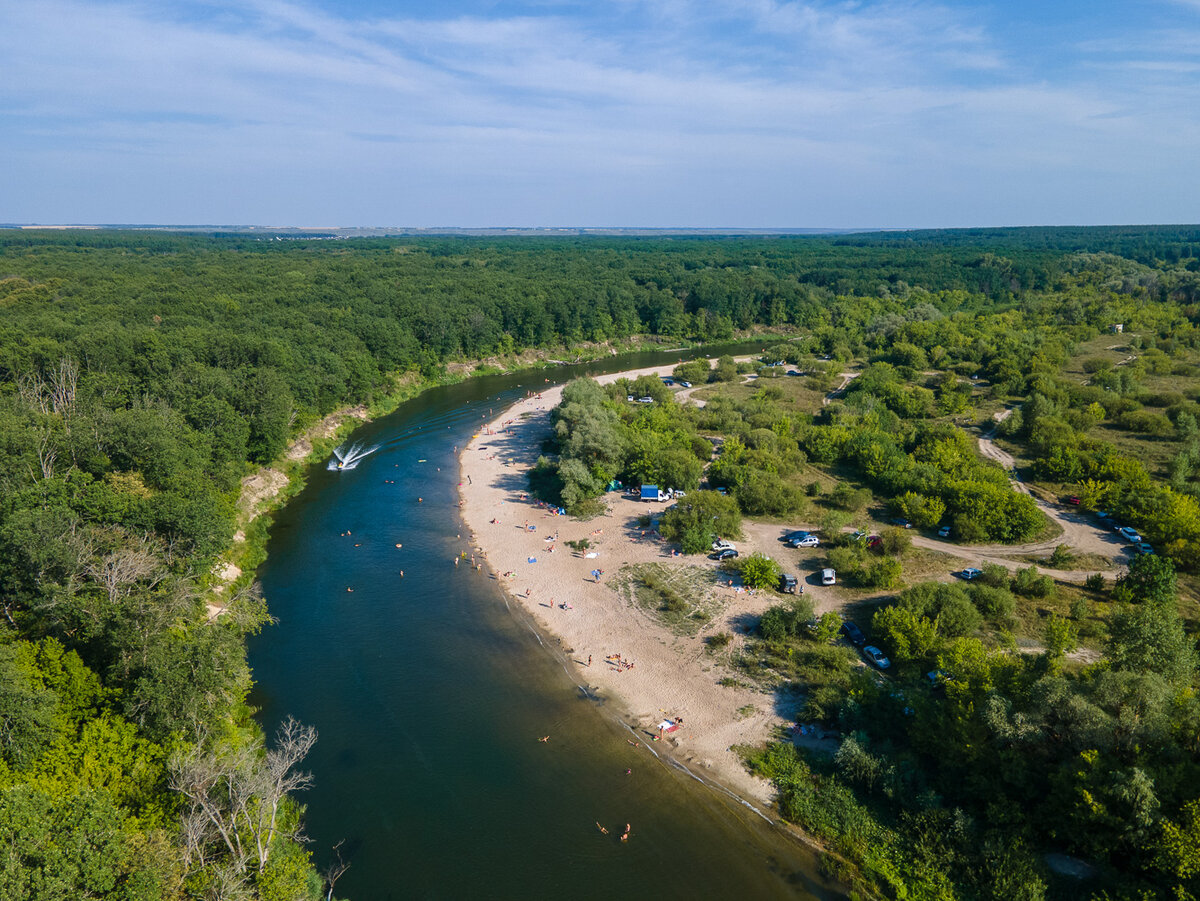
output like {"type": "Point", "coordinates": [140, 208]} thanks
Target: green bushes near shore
{"type": "Point", "coordinates": [954, 775]}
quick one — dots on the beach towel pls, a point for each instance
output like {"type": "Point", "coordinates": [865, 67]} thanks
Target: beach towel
{"type": "Point", "coordinates": [531, 560]}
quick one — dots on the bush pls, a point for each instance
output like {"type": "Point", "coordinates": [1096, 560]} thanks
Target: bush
{"type": "Point", "coordinates": [848, 497]}
{"type": "Point", "coordinates": [698, 517]}
{"type": "Point", "coordinates": [1030, 583]}
{"type": "Point", "coordinates": [718, 641]}
{"type": "Point", "coordinates": [883, 573]}
{"type": "Point", "coordinates": [784, 621]}
{"type": "Point", "coordinates": [759, 571]}
{"type": "Point", "coordinates": [1061, 557]}
{"type": "Point", "coordinates": [996, 604]}
{"type": "Point", "coordinates": [994, 575]}
{"type": "Point", "coordinates": [1094, 582]}
{"type": "Point", "coordinates": [813, 489]}
{"type": "Point", "coordinates": [968, 530]}
{"type": "Point", "coordinates": [896, 541]}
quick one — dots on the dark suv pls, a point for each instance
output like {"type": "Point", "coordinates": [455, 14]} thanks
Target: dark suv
{"type": "Point", "coordinates": [853, 634]}
{"type": "Point", "coordinates": [787, 584]}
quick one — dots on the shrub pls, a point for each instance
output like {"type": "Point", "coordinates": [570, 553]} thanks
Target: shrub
{"type": "Point", "coordinates": [785, 621]}
{"type": "Point", "coordinates": [1094, 582]}
{"type": "Point", "coordinates": [1061, 557]}
{"type": "Point", "coordinates": [760, 571]}
{"type": "Point", "coordinates": [883, 573]}
{"type": "Point", "coordinates": [968, 530]}
{"type": "Point", "coordinates": [718, 641]}
{"type": "Point", "coordinates": [1030, 583]}
{"type": "Point", "coordinates": [996, 604]}
{"type": "Point", "coordinates": [827, 627]}
{"type": "Point", "coordinates": [698, 517]}
{"type": "Point", "coordinates": [813, 489]}
{"type": "Point", "coordinates": [849, 498]}
{"type": "Point", "coordinates": [905, 633]}
{"type": "Point", "coordinates": [994, 575]}
{"type": "Point", "coordinates": [896, 541]}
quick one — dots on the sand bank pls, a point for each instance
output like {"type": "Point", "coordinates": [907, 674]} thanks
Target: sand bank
{"type": "Point", "coordinates": [672, 675]}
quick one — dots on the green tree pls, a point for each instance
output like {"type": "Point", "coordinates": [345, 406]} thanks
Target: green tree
{"type": "Point", "coordinates": [760, 571]}
{"type": "Point", "coordinates": [700, 516]}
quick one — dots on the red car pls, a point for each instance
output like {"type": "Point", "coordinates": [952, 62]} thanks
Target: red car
{"type": "Point", "coordinates": [874, 541]}
{"type": "Point", "coordinates": [1072, 500]}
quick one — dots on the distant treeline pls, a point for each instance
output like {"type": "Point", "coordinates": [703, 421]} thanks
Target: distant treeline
{"type": "Point", "coordinates": [142, 374]}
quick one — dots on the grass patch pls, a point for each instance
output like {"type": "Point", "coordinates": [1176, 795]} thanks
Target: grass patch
{"type": "Point", "coordinates": [679, 596]}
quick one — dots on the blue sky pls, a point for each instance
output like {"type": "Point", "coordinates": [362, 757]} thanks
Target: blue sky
{"type": "Point", "coordinates": [700, 113]}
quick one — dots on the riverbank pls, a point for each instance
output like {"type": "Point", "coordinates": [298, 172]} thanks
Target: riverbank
{"type": "Point", "coordinates": [659, 675]}
{"type": "Point", "coordinates": [270, 486]}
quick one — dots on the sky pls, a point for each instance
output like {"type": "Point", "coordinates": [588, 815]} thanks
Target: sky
{"type": "Point", "coordinates": [603, 113]}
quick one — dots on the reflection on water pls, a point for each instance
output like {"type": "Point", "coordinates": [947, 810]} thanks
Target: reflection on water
{"type": "Point", "coordinates": [430, 695]}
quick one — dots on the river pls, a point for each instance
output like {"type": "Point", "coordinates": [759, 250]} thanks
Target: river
{"type": "Point", "coordinates": [429, 695]}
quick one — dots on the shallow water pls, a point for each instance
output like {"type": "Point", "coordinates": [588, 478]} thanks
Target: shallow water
{"type": "Point", "coordinates": [429, 695]}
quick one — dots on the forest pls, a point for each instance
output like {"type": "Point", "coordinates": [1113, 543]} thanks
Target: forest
{"type": "Point", "coordinates": [144, 374]}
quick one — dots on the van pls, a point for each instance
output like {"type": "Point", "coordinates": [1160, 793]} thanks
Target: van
{"type": "Point", "coordinates": [828, 577]}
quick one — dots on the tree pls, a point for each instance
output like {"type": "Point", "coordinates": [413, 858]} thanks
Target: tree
{"type": "Point", "coordinates": [237, 796]}
{"type": "Point", "coordinates": [907, 634]}
{"type": "Point", "coordinates": [1150, 638]}
{"type": "Point", "coordinates": [760, 571]}
{"type": "Point", "coordinates": [1061, 637]}
{"type": "Point", "coordinates": [1150, 580]}
{"type": "Point", "coordinates": [700, 516]}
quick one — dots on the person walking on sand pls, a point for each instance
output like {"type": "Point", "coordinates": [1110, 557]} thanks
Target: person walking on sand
{"type": "Point", "coordinates": [589, 659]}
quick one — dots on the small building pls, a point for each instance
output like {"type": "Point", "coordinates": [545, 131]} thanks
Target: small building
{"type": "Point", "coordinates": [1118, 327]}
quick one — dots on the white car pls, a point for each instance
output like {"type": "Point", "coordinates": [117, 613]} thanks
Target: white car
{"type": "Point", "coordinates": [806, 541]}
{"type": "Point", "coordinates": [876, 656]}
{"type": "Point", "coordinates": [971, 573]}
{"type": "Point", "coordinates": [721, 544]}
{"type": "Point", "coordinates": [828, 577]}
{"type": "Point", "coordinates": [1129, 534]}
{"type": "Point", "coordinates": [944, 532]}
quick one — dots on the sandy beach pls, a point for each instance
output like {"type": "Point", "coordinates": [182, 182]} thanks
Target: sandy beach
{"type": "Point", "coordinates": [671, 675]}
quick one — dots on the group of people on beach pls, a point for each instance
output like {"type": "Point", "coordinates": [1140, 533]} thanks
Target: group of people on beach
{"type": "Point", "coordinates": [619, 662]}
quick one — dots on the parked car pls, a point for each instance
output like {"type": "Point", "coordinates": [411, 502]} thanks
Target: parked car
{"type": "Point", "coordinates": [1129, 534]}
{"type": "Point", "coordinates": [645, 400]}
{"type": "Point", "coordinates": [936, 677]}
{"type": "Point", "coordinates": [876, 656]}
{"type": "Point", "coordinates": [799, 533]}
{"type": "Point", "coordinates": [725, 553]}
{"type": "Point", "coordinates": [971, 573]}
{"type": "Point", "coordinates": [901, 522]}
{"type": "Point", "coordinates": [720, 544]}
{"type": "Point", "coordinates": [944, 532]}
{"type": "Point", "coordinates": [788, 583]}
{"type": "Point", "coordinates": [1072, 500]}
{"type": "Point", "coordinates": [806, 541]}
{"type": "Point", "coordinates": [684, 384]}
{"type": "Point", "coordinates": [853, 634]}
{"type": "Point", "coordinates": [873, 542]}
{"type": "Point", "coordinates": [1143, 549]}
{"type": "Point", "coordinates": [828, 577]}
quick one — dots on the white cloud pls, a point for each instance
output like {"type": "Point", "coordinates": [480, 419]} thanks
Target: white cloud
{"type": "Point", "coordinates": [767, 112]}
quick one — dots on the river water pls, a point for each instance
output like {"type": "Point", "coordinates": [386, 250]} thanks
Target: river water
{"type": "Point", "coordinates": [429, 695]}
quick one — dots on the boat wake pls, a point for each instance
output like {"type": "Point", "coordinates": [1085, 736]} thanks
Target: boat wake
{"type": "Point", "coordinates": [349, 456]}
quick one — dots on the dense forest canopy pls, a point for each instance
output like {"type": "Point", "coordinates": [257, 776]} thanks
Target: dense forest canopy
{"type": "Point", "coordinates": [143, 374]}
